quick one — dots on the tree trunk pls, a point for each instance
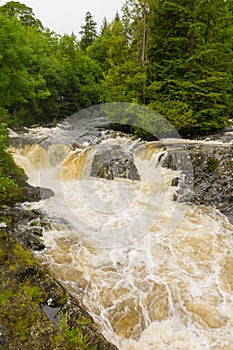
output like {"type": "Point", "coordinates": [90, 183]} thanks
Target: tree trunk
{"type": "Point", "coordinates": [144, 49]}
{"type": "Point", "coordinates": [192, 36]}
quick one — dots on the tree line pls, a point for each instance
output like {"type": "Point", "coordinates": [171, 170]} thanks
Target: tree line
{"type": "Point", "coordinates": [173, 56]}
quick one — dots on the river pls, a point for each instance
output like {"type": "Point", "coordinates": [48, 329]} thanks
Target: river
{"type": "Point", "coordinates": [153, 273]}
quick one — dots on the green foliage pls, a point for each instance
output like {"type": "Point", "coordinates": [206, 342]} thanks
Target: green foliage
{"type": "Point", "coordinates": [177, 112]}
{"type": "Point", "coordinates": [9, 191]}
{"type": "Point", "coordinates": [10, 174]}
{"type": "Point", "coordinates": [22, 12]}
{"type": "Point", "coordinates": [139, 120]}
{"type": "Point", "coordinates": [75, 339]}
{"type": "Point", "coordinates": [212, 165]}
{"type": "Point", "coordinates": [42, 77]}
{"type": "Point", "coordinates": [33, 292]}
{"type": "Point", "coordinates": [173, 56]}
{"type": "Point", "coordinates": [88, 31]}
{"type": "Point", "coordinates": [191, 62]}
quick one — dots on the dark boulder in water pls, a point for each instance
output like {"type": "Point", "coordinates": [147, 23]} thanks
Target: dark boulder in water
{"type": "Point", "coordinates": [113, 162]}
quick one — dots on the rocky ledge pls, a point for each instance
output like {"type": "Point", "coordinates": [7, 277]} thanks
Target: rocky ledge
{"type": "Point", "coordinates": [212, 167]}
{"type": "Point", "coordinates": [114, 162]}
{"type": "Point", "coordinates": [213, 176]}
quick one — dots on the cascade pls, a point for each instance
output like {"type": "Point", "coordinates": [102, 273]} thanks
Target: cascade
{"type": "Point", "coordinates": [154, 274]}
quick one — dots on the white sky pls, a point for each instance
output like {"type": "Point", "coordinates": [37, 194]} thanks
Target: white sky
{"type": "Point", "coordinates": [67, 16]}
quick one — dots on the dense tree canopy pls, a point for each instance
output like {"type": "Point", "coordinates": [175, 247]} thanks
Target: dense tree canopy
{"type": "Point", "coordinates": [173, 56]}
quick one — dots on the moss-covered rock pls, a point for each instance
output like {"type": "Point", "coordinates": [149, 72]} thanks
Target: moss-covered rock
{"type": "Point", "coordinates": [26, 288]}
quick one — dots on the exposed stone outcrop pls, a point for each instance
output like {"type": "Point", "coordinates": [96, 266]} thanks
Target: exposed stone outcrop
{"type": "Point", "coordinates": [212, 174]}
{"type": "Point", "coordinates": [35, 194]}
{"type": "Point", "coordinates": [114, 162]}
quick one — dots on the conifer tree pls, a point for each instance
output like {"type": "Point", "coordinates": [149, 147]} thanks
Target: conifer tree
{"type": "Point", "coordinates": [89, 32]}
{"type": "Point", "coordinates": [188, 75]}
{"type": "Point", "coordinates": [103, 26]}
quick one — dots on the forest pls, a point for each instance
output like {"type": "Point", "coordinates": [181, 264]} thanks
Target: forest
{"type": "Point", "coordinates": [175, 57]}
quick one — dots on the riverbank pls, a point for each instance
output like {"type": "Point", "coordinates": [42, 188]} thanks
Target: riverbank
{"type": "Point", "coordinates": [36, 311]}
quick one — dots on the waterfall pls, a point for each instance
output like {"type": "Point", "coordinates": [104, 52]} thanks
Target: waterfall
{"type": "Point", "coordinates": [153, 273]}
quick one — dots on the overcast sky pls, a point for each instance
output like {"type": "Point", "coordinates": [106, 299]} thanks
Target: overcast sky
{"type": "Point", "coordinates": [67, 16]}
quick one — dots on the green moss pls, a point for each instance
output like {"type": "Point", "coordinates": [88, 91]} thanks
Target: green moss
{"type": "Point", "coordinates": [5, 294]}
{"type": "Point", "coordinates": [13, 268]}
{"type": "Point", "coordinates": [212, 165]}
{"type": "Point", "coordinates": [11, 176]}
{"type": "Point", "coordinates": [34, 223]}
{"type": "Point", "coordinates": [75, 339]}
{"type": "Point", "coordinates": [23, 257]}
{"type": "Point", "coordinates": [84, 321]}
{"type": "Point", "coordinates": [25, 287]}
{"type": "Point", "coordinates": [231, 162]}
{"type": "Point", "coordinates": [3, 256]}
{"type": "Point", "coordinates": [34, 292]}
{"type": "Point", "coordinates": [22, 328]}
{"type": "Point", "coordinates": [5, 219]}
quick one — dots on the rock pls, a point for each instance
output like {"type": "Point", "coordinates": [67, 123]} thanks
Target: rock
{"type": "Point", "coordinates": [22, 226]}
{"type": "Point", "coordinates": [23, 273]}
{"type": "Point", "coordinates": [114, 162]}
{"type": "Point", "coordinates": [35, 230]}
{"type": "Point", "coordinates": [28, 240]}
{"type": "Point", "coordinates": [34, 194]}
{"type": "Point", "coordinates": [175, 181]}
{"type": "Point", "coordinates": [212, 175]}
{"type": "Point", "coordinates": [52, 313]}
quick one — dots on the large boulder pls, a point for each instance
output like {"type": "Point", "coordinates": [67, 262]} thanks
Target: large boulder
{"type": "Point", "coordinates": [211, 178]}
{"type": "Point", "coordinates": [114, 162]}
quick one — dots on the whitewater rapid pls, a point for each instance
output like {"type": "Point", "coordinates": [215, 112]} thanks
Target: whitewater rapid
{"type": "Point", "coordinates": [153, 273]}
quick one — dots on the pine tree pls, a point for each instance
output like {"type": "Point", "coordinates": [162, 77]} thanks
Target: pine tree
{"type": "Point", "coordinates": [136, 20]}
{"type": "Point", "coordinates": [103, 26]}
{"type": "Point", "coordinates": [188, 74]}
{"type": "Point", "coordinates": [89, 32]}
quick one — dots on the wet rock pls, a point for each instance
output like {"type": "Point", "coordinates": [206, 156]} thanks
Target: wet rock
{"type": "Point", "coordinates": [114, 162]}
{"type": "Point", "coordinates": [34, 194]}
{"type": "Point", "coordinates": [211, 176]}
{"type": "Point", "coordinates": [17, 214]}
{"type": "Point", "coordinates": [24, 272]}
{"type": "Point", "coordinates": [37, 231]}
{"type": "Point", "coordinates": [25, 226]}
{"type": "Point", "coordinates": [28, 240]}
{"type": "Point", "coordinates": [175, 181]}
